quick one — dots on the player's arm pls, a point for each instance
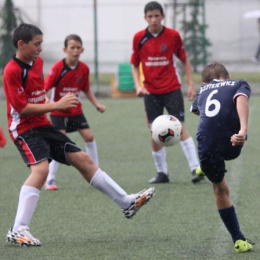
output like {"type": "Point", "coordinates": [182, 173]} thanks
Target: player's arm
{"type": "Point", "coordinates": [68, 101]}
{"type": "Point", "coordinates": [140, 91]}
{"type": "Point", "coordinates": [91, 97]}
{"type": "Point", "coordinates": [243, 113]}
{"type": "Point", "coordinates": [188, 71]}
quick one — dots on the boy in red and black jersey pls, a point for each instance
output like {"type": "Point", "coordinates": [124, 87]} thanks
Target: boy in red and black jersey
{"type": "Point", "coordinates": [39, 142]}
{"type": "Point", "coordinates": [156, 49]}
{"type": "Point", "coordinates": [70, 75]}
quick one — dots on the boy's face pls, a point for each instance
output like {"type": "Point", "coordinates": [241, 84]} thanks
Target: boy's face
{"type": "Point", "coordinates": [154, 19]}
{"type": "Point", "coordinates": [73, 50]}
{"type": "Point", "coordinates": [28, 52]}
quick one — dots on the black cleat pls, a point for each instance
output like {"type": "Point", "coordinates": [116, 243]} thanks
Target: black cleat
{"type": "Point", "coordinates": [195, 178]}
{"type": "Point", "coordinates": [160, 178]}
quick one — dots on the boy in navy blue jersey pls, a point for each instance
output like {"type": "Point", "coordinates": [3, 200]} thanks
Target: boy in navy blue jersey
{"type": "Point", "coordinates": [222, 104]}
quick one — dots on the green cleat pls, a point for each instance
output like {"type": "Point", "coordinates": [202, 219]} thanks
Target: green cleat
{"type": "Point", "coordinates": [199, 172]}
{"type": "Point", "coordinates": [242, 246]}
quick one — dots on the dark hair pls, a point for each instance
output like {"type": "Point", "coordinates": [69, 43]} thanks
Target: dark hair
{"type": "Point", "coordinates": [74, 37]}
{"type": "Point", "coordinates": [214, 70]}
{"type": "Point", "coordinates": [25, 32]}
{"type": "Point", "coordinates": [153, 6]}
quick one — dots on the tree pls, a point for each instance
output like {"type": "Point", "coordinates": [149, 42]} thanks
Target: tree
{"type": "Point", "coordinates": [194, 35]}
{"type": "Point", "coordinates": [8, 24]}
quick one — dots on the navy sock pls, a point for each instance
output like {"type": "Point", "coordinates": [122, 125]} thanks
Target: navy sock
{"type": "Point", "coordinates": [229, 218]}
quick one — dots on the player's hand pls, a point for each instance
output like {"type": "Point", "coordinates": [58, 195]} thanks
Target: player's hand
{"type": "Point", "coordinates": [191, 93]}
{"type": "Point", "coordinates": [238, 139]}
{"type": "Point", "coordinates": [101, 108]}
{"type": "Point", "coordinates": [67, 101]}
{"type": "Point", "coordinates": [141, 91]}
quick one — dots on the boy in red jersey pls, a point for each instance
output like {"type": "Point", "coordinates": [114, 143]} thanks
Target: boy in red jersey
{"type": "Point", "coordinates": [39, 142]}
{"type": "Point", "coordinates": [71, 75]}
{"type": "Point", "coordinates": [157, 48]}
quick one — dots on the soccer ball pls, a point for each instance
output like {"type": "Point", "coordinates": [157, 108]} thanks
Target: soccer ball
{"type": "Point", "coordinates": [166, 130]}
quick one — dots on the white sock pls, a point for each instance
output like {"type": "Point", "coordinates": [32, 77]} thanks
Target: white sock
{"type": "Point", "coordinates": [27, 203]}
{"type": "Point", "coordinates": [102, 182]}
{"type": "Point", "coordinates": [160, 160]}
{"type": "Point", "coordinates": [91, 150]}
{"type": "Point", "coordinates": [190, 152]}
{"type": "Point", "coordinates": [53, 168]}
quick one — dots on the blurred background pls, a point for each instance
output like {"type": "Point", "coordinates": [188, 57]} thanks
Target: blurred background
{"type": "Point", "coordinates": [212, 30]}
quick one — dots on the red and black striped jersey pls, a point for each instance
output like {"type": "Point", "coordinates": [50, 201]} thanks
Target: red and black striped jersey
{"type": "Point", "coordinates": [157, 54]}
{"type": "Point", "coordinates": [62, 79]}
{"type": "Point", "coordinates": [23, 84]}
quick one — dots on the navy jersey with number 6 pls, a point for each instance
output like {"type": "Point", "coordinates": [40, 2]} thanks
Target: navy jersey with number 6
{"type": "Point", "coordinates": [216, 104]}
{"type": "Point", "coordinates": [219, 120]}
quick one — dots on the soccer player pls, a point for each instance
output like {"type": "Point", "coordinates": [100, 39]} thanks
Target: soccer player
{"type": "Point", "coordinates": [2, 138]}
{"type": "Point", "coordinates": [71, 75]}
{"type": "Point", "coordinates": [39, 142]}
{"type": "Point", "coordinates": [222, 104]}
{"type": "Point", "coordinates": [156, 48]}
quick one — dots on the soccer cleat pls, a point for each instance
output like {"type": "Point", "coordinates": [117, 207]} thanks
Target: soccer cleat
{"type": "Point", "coordinates": [199, 172]}
{"type": "Point", "coordinates": [22, 237]}
{"type": "Point", "coordinates": [196, 178]}
{"type": "Point", "coordinates": [2, 138]}
{"type": "Point", "coordinates": [141, 199]}
{"type": "Point", "coordinates": [50, 185]}
{"type": "Point", "coordinates": [160, 178]}
{"type": "Point", "coordinates": [242, 246]}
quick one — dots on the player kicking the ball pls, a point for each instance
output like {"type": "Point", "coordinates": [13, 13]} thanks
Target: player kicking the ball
{"type": "Point", "coordinates": [222, 104]}
{"type": "Point", "coordinates": [39, 142]}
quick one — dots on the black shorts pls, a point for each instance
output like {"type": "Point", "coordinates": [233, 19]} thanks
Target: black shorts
{"type": "Point", "coordinates": [70, 124]}
{"type": "Point", "coordinates": [213, 152]}
{"type": "Point", "coordinates": [155, 104]}
{"type": "Point", "coordinates": [41, 143]}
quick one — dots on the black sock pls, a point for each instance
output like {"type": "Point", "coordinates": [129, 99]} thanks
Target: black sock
{"type": "Point", "coordinates": [229, 218]}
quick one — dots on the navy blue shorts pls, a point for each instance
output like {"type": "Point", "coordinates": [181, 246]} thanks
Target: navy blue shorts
{"type": "Point", "coordinates": [71, 123]}
{"type": "Point", "coordinates": [41, 143]}
{"type": "Point", "coordinates": [213, 152]}
{"type": "Point", "coordinates": [172, 101]}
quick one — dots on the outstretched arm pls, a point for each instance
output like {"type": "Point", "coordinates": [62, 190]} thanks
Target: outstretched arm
{"type": "Point", "coordinates": [243, 113]}
{"type": "Point", "coordinates": [140, 91]}
{"type": "Point", "coordinates": [91, 97]}
{"type": "Point", "coordinates": [68, 101]}
{"type": "Point", "coordinates": [188, 71]}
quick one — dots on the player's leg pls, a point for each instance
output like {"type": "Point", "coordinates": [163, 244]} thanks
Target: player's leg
{"type": "Point", "coordinates": [154, 108]}
{"type": "Point", "coordinates": [90, 144]}
{"type": "Point", "coordinates": [61, 124]}
{"type": "Point", "coordinates": [215, 173]}
{"type": "Point", "coordinates": [189, 150]}
{"type": "Point", "coordinates": [100, 180]}
{"type": "Point", "coordinates": [80, 123]}
{"type": "Point", "coordinates": [174, 104]}
{"type": "Point", "coordinates": [28, 145]}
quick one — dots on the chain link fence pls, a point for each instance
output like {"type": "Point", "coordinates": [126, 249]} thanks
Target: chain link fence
{"type": "Point", "coordinates": [234, 39]}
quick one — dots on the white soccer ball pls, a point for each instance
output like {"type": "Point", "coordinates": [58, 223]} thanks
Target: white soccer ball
{"type": "Point", "coordinates": [166, 130]}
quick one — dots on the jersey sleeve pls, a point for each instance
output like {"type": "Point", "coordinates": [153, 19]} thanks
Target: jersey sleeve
{"type": "Point", "coordinates": [51, 78]}
{"type": "Point", "coordinates": [135, 60]}
{"type": "Point", "coordinates": [180, 53]}
{"type": "Point", "coordinates": [244, 89]}
{"type": "Point", "coordinates": [14, 89]}
{"type": "Point", "coordinates": [194, 106]}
